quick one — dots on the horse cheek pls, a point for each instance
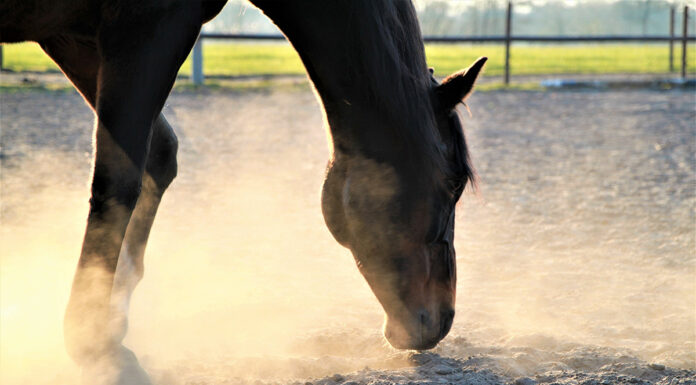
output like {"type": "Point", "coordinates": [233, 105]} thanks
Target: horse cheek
{"type": "Point", "coordinates": [332, 204]}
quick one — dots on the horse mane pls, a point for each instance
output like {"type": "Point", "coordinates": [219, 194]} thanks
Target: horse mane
{"type": "Point", "coordinates": [397, 80]}
{"type": "Point", "coordinates": [387, 55]}
{"type": "Point", "coordinates": [373, 56]}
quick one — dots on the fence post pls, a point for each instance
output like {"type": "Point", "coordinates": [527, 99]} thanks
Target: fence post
{"type": "Point", "coordinates": [508, 21]}
{"type": "Point", "coordinates": [671, 38]}
{"type": "Point", "coordinates": [197, 63]}
{"type": "Point", "coordinates": [685, 30]}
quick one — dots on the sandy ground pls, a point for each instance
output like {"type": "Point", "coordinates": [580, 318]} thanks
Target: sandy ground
{"type": "Point", "coordinates": [576, 258]}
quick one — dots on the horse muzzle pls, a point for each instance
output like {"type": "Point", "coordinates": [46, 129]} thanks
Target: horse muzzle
{"type": "Point", "coordinates": [421, 330]}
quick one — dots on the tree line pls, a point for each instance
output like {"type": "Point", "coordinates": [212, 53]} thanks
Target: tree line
{"type": "Point", "coordinates": [487, 18]}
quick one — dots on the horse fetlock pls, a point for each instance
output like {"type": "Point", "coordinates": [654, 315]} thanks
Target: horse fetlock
{"type": "Point", "coordinates": [85, 336]}
{"type": "Point", "coordinates": [118, 367]}
{"type": "Point", "coordinates": [128, 273]}
{"type": "Point", "coordinates": [89, 313]}
{"type": "Point", "coordinates": [98, 350]}
{"type": "Point", "coordinates": [117, 323]}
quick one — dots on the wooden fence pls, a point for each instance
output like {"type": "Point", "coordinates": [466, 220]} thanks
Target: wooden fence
{"type": "Point", "coordinates": [197, 75]}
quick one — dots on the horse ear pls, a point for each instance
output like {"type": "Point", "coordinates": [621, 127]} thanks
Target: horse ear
{"type": "Point", "coordinates": [457, 87]}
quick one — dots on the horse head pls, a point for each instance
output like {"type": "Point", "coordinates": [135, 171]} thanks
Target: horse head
{"type": "Point", "coordinates": [392, 203]}
{"type": "Point", "coordinates": [399, 160]}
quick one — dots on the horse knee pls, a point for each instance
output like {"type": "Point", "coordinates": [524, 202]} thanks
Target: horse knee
{"type": "Point", "coordinates": [166, 163]}
{"type": "Point", "coordinates": [162, 164]}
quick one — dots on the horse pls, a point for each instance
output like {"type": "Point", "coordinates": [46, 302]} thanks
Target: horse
{"type": "Point", "coordinates": [399, 161]}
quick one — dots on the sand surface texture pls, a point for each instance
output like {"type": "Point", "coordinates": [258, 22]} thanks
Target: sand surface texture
{"type": "Point", "coordinates": [576, 258]}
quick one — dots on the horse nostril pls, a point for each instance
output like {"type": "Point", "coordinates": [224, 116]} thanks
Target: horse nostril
{"type": "Point", "coordinates": [446, 320]}
{"type": "Point", "coordinates": [424, 317]}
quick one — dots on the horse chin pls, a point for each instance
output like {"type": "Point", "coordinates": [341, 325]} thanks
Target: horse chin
{"type": "Point", "coordinates": [411, 344]}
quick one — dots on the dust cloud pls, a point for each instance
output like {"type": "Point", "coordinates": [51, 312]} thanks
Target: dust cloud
{"type": "Point", "coordinates": [576, 255]}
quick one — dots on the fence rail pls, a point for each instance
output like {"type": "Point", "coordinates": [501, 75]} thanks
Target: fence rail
{"type": "Point", "coordinates": [478, 39]}
{"type": "Point", "coordinates": [552, 39]}
{"type": "Point", "coordinates": [198, 77]}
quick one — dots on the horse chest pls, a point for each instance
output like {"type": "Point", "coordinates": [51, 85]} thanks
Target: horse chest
{"type": "Point", "coordinates": [22, 20]}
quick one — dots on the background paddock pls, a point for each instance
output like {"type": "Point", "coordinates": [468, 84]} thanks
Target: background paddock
{"type": "Point", "coordinates": [575, 259]}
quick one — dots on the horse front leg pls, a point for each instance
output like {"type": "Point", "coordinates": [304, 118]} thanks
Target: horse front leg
{"type": "Point", "coordinates": [160, 171]}
{"type": "Point", "coordinates": [79, 61]}
{"type": "Point", "coordinates": [90, 307]}
{"type": "Point", "coordinates": [90, 333]}
{"type": "Point", "coordinates": [136, 72]}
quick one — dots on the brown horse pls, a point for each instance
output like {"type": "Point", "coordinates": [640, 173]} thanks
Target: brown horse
{"type": "Point", "coordinates": [399, 162]}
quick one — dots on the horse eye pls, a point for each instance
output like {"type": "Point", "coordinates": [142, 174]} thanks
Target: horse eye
{"type": "Point", "coordinates": [456, 185]}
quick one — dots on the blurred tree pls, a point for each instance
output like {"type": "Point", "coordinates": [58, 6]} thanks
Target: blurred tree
{"type": "Point", "coordinates": [487, 17]}
{"type": "Point", "coordinates": [646, 16]}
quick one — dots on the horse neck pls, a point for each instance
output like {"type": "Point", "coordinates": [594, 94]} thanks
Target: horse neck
{"type": "Point", "coordinates": [367, 63]}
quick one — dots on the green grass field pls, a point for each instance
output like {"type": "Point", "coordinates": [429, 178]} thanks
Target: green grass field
{"type": "Point", "coordinates": [236, 59]}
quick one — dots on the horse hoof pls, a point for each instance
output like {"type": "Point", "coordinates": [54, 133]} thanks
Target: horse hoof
{"type": "Point", "coordinates": [120, 368]}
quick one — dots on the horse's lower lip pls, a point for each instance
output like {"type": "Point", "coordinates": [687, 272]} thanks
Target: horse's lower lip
{"type": "Point", "coordinates": [446, 320]}
{"type": "Point", "coordinates": [427, 346]}
{"type": "Point", "coordinates": [411, 344]}
{"type": "Point", "coordinates": [414, 346]}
